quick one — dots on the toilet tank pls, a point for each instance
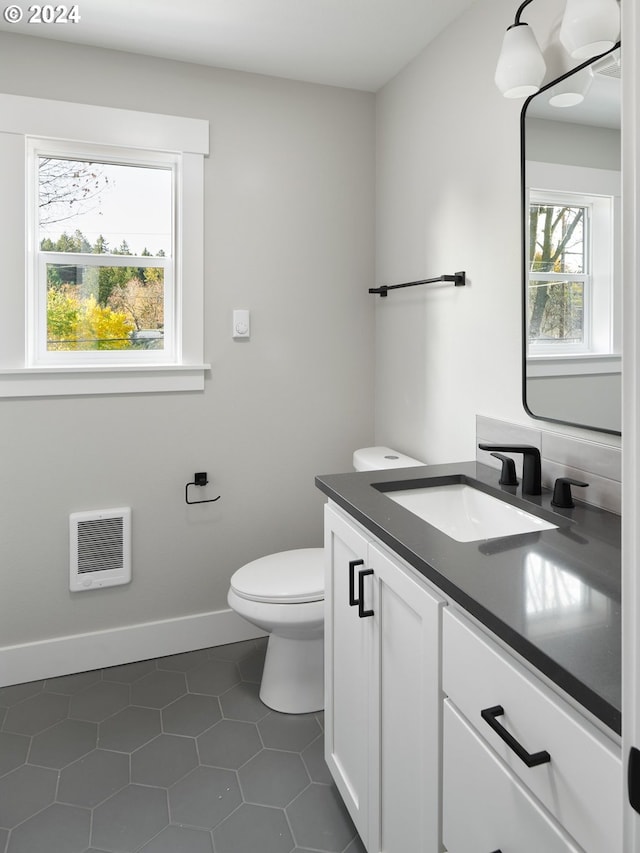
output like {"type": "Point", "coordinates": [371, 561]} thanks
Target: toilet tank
{"type": "Point", "coordinates": [378, 458]}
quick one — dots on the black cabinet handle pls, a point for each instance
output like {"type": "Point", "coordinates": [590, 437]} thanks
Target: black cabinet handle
{"type": "Point", "coordinates": [352, 581]}
{"type": "Point", "coordinates": [362, 574]}
{"type": "Point", "coordinates": [531, 759]}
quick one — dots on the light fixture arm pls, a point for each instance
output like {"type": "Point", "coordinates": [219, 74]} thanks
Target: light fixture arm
{"type": "Point", "coordinates": [520, 10]}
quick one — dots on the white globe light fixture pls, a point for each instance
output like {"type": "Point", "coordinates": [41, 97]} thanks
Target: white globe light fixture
{"type": "Point", "coordinates": [520, 68]}
{"type": "Point", "coordinates": [571, 91]}
{"type": "Point", "coordinates": [590, 27]}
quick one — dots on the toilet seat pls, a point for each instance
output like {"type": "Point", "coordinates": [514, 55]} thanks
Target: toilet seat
{"type": "Point", "coordinates": [289, 577]}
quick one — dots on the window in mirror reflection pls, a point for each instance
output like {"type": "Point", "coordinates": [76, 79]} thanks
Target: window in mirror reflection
{"type": "Point", "coordinates": [558, 601]}
{"type": "Point", "coordinates": [570, 273]}
{"type": "Point", "coordinates": [558, 273]}
{"type": "Point", "coordinates": [550, 589]}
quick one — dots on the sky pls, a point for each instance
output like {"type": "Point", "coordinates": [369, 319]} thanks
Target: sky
{"type": "Point", "coordinates": [135, 206]}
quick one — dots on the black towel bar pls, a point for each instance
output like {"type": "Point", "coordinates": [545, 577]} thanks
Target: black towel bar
{"type": "Point", "coordinates": [459, 279]}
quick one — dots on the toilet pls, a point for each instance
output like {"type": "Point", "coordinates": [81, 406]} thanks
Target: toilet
{"type": "Point", "coordinates": [283, 594]}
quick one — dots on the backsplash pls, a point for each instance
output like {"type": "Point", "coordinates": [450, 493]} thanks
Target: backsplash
{"type": "Point", "coordinates": [594, 463]}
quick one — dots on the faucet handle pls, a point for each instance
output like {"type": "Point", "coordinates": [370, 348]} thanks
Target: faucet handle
{"type": "Point", "coordinates": [562, 496]}
{"type": "Point", "coordinates": [508, 473]}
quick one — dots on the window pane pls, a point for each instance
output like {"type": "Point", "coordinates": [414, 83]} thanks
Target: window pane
{"type": "Point", "coordinates": [104, 307]}
{"type": "Point", "coordinates": [556, 311]}
{"type": "Point", "coordinates": [557, 238]}
{"type": "Point", "coordinates": [104, 208]}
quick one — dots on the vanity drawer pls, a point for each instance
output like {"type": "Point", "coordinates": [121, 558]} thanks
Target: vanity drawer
{"type": "Point", "coordinates": [581, 784]}
{"type": "Point", "coordinates": [484, 806]}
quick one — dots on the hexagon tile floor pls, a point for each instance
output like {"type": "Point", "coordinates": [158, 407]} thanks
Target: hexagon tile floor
{"type": "Point", "coordinates": [175, 755]}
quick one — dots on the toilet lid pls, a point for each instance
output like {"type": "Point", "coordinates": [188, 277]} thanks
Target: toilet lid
{"type": "Point", "coordinates": [290, 577]}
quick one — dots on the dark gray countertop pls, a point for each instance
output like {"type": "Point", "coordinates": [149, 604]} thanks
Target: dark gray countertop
{"type": "Point", "coordinates": [553, 596]}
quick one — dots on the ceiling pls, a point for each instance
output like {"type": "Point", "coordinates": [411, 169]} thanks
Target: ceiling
{"type": "Point", "coordinates": [359, 44]}
{"type": "Point", "coordinates": [602, 106]}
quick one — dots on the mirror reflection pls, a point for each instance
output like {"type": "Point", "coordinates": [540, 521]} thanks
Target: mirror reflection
{"type": "Point", "coordinates": [571, 160]}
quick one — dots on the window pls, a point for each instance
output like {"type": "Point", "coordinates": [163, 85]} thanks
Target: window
{"type": "Point", "coordinates": [560, 282]}
{"type": "Point", "coordinates": [102, 273]}
{"type": "Point", "coordinates": [108, 296]}
{"type": "Point", "coordinates": [573, 263]}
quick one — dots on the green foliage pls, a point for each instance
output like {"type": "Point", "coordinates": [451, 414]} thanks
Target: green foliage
{"type": "Point", "coordinates": [102, 304]}
{"type": "Point", "coordinates": [81, 324]}
{"type": "Point", "coordinates": [63, 316]}
{"type": "Point", "coordinates": [111, 278]}
{"type": "Point", "coordinates": [75, 242]}
{"type": "Point", "coordinates": [101, 246]}
{"type": "Point", "coordinates": [123, 249]}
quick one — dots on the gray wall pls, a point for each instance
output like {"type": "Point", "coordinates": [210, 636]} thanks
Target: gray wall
{"type": "Point", "coordinates": [289, 224]}
{"type": "Point", "coordinates": [582, 398]}
{"type": "Point", "coordinates": [573, 144]}
{"type": "Point", "coordinates": [448, 199]}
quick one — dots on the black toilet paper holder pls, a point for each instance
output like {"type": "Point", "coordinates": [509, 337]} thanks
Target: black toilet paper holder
{"type": "Point", "coordinates": [199, 479]}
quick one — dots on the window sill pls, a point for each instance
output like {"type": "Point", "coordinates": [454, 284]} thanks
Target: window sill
{"type": "Point", "coordinates": [573, 364]}
{"type": "Point", "coordinates": [126, 379]}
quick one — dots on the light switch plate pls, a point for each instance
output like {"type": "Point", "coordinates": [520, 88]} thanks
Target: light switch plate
{"type": "Point", "coordinates": [241, 323]}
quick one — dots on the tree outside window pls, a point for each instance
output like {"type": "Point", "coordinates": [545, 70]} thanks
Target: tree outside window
{"type": "Point", "coordinates": [122, 213]}
{"type": "Point", "coordinates": [558, 274]}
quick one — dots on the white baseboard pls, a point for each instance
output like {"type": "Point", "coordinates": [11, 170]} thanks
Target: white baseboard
{"type": "Point", "coordinates": [95, 650]}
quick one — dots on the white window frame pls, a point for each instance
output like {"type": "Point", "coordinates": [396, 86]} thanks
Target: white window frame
{"type": "Point", "coordinates": [37, 353]}
{"type": "Point", "coordinates": [575, 200]}
{"type": "Point", "coordinates": [31, 124]}
{"type": "Point", "coordinates": [600, 190]}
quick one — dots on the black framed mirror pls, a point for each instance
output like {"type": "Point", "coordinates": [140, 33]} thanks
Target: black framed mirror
{"type": "Point", "coordinates": [571, 252]}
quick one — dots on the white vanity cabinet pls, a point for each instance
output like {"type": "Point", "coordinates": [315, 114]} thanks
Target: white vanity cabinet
{"type": "Point", "coordinates": [485, 808]}
{"type": "Point", "coordinates": [417, 762]}
{"type": "Point", "coordinates": [568, 800]}
{"type": "Point", "coordinates": [383, 700]}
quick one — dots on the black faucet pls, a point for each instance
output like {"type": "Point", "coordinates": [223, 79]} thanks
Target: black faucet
{"type": "Point", "coordinates": [531, 466]}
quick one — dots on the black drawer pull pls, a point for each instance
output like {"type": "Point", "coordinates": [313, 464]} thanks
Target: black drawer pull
{"type": "Point", "coordinates": [362, 574]}
{"type": "Point", "coordinates": [352, 581]}
{"type": "Point", "coordinates": [531, 759]}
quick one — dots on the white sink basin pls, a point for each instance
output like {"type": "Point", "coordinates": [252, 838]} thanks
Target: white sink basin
{"type": "Point", "coordinates": [467, 514]}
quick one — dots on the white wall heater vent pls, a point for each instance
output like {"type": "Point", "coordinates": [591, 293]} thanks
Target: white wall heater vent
{"type": "Point", "coordinates": [100, 548]}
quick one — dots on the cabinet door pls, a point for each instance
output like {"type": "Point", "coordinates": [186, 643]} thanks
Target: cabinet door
{"type": "Point", "coordinates": [485, 808]}
{"type": "Point", "coordinates": [581, 785]}
{"type": "Point", "coordinates": [406, 782]}
{"type": "Point", "coordinates": [348, 676]}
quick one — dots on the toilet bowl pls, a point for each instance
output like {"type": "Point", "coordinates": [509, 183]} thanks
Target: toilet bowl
{"type": "Point", "coordinates": [283, 594]}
